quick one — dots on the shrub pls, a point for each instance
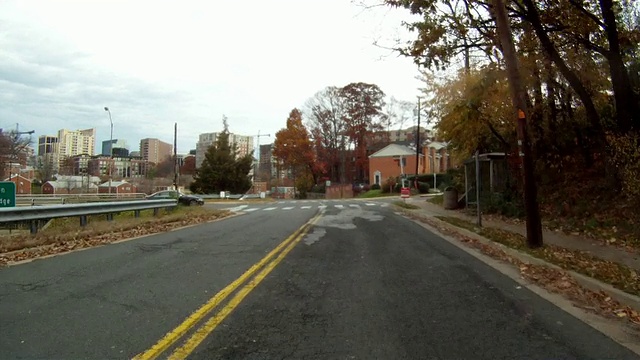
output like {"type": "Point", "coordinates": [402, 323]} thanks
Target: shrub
{"type": "Point", "coordinates": [423, 187]}
{"type": "Point", "coordinates": [389, 185]}
{"type": "Point", "coordinates": [625, 156]}
{"type": "Point", "coordinates": [375, 187]}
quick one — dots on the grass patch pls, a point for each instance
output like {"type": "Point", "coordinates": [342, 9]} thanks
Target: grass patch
{"type": "Point", "coordinates": [438, 199]}
{"type": "Point", "coordinates": [618, 275]}
{"type": "Point", "coordinates": [67, 231]}
{"type": "Point", "coordinates": [405, 205]}
{"type": "Point", "coordinates": [372, 194]}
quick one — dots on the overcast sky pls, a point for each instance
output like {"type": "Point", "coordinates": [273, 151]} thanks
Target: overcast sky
{"type": "Point", "coordinates": [155, 63]}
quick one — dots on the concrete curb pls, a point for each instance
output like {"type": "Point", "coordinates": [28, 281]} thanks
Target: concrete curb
{"type": "Point", "coordinates": [622, 333]}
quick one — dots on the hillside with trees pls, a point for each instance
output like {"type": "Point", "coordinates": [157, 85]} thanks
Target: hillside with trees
{"type": "Point", "coordinates": [580, 70]}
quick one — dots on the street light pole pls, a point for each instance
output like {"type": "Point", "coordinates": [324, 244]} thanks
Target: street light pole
{"type": "Point", "coordinates": [110, 146]}
{"type": "Point", "coordinates": [417, 144]}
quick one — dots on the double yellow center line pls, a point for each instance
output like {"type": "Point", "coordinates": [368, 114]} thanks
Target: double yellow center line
{"type": "Point", "coordinates": [264, 266]}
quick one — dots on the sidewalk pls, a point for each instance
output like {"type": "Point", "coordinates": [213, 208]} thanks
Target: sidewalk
{"type": "Point", "coordinates": [610, 253]}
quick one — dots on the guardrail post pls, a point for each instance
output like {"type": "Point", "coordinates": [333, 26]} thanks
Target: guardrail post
{"type": "Point", "coordinates": [136, 213]}
{"type": "Point", "coordinates": [34, 227]}
{"type": "Point", "coordinates": [156, 211]}
{"type": "Point", "coordinates": [83, 220]}
{"type": "Point", "coordinates": [110, 217]}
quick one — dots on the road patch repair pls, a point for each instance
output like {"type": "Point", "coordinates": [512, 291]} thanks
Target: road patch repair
{"type": "Point", "coordinates": [67, 236]}
{"type": "Point", "coordinates": [609, 303]}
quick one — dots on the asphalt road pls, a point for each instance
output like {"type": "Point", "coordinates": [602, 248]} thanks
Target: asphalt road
{"type": "Point", "coordinates": [360, 283]}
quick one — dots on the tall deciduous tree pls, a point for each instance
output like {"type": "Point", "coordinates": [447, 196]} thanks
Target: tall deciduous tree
{"type": "Point", "coordinates": [165, 168]}
{"type": "Point", "coordinates": [13, 148]}
{"type": "Point", "coordinates": [325, 114]}
{"type": "Point", "coordinates": [473, 112]}
{"type": "Point", "coordinates": [294, 149]}
{"type": "Point", "coordinates": [189, 166]}
{"type": "Point", "coordinates": [363, 115]}
{"type": "Point", "coordinates": [45, 168]}
{"type": "Point", "coordinates": [222, 169]}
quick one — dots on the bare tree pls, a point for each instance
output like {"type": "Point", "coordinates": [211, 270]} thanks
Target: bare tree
{"type": "Point", "coordinates": [44, 167]}
{"type": "Point", "coordinates": [398, 113]}
{"type": "Point", "coordinates": [326, 114]}
{"type": "Point", "coordinates": [13, 149]}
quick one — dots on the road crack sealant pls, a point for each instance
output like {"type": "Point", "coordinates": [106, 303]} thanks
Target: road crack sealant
{"type": "Point", "coordinates": [344, 220]}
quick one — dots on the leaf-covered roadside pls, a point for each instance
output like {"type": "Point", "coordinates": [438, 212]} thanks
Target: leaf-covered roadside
{"type": "Point", "coordinates": [618, 275]}
{"type": "Point", "coordinates": [25, 247]}
{"type": "Point", "coordinates": [552, 279]}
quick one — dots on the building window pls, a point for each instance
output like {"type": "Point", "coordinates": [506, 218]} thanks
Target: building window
{"type": "Point", "coordinates": [377, 176]}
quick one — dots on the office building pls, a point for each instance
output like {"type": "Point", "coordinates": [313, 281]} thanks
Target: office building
{"type": "Point", "coordinates": [116, 144]}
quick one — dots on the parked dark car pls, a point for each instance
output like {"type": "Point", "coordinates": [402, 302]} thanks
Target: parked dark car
{"type": "Point", "coordinates": [173, 194]}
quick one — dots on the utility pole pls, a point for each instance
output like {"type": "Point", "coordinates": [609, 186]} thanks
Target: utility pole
{"type": "Point", "coordinates": [417, 145]}
{"type": "Point", "coordinates": [534, 225]}
{"type": "Point", "coordinates": [110, 147]}
{"type": "Point", "coordinates": [175, 156]}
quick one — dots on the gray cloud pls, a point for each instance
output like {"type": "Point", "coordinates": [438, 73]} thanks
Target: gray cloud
{"type": "Point", "coordinates": [48, 87]}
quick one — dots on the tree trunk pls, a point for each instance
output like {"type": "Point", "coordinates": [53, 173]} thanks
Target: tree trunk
{"type": "Point", "coordinates": [627, 110]}
{"type": "Point", "coordinates": [534, 224]}
{"type": "Point", "coordinates": [533, 17]}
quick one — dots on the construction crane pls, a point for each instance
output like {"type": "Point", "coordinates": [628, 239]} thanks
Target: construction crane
{"type": "Point", "coordinates": [18, 132]}
{"type": "Point", "coordinates": [258, 143]}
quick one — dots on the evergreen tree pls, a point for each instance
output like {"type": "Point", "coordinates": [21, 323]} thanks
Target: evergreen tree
{"type": "Point", "coordinates": [222, 169]}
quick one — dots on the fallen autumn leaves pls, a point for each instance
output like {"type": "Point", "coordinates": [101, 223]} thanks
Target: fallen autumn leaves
{"type": "Point", "coordinates": [54, 241]}
{"type": "Point", "coordinates": [618, 275]}
{"type": "Point", "coordinates": [552, 279]}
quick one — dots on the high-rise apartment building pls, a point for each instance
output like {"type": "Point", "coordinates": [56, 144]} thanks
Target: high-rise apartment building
{"type": "Point", "coordinates": [244, 145]}
{"type": "Point", "coordinates": [266, 163]}
{"type": "Point", "coordinates": [76, 142]}
{"type": "Point", "coordinates": [47, 145]}
{"type": "Point", "coordinates": [68, 143]}
{"type": "Point", "coordinates": [154, 150]}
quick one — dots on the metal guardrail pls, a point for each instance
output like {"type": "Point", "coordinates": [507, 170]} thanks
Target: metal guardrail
{"type": "Point", "coordinates": [48, 199]}
{"type": "Point", "coordinates": [36, 214]}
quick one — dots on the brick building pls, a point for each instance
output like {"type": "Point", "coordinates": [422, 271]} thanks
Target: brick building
{"type": "Point", "coordinates": [392, 161]}
{"type": "Point", "coordinates": [23, 185]}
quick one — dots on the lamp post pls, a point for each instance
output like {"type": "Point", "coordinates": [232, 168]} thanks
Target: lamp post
{"type": "Point", "coordinates": [110, 146]}
{"type": "Point", "coordinates": [417, 145]}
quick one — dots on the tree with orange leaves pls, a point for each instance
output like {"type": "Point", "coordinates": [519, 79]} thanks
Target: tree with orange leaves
{"type": "Point", "coordinates": [294, 150]}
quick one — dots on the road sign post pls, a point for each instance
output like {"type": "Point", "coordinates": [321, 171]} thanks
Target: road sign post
{"type": "Point", "coordinates": [405, 192]}
{"type": "Point", "coordinates": [7, 194]}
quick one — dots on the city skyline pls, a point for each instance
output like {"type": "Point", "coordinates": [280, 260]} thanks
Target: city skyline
{"type": "Point", "coordinates": [59, 77]}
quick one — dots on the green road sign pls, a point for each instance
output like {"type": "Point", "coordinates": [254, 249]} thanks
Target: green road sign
{"type": "Point", "coordinates": [7, 194]}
